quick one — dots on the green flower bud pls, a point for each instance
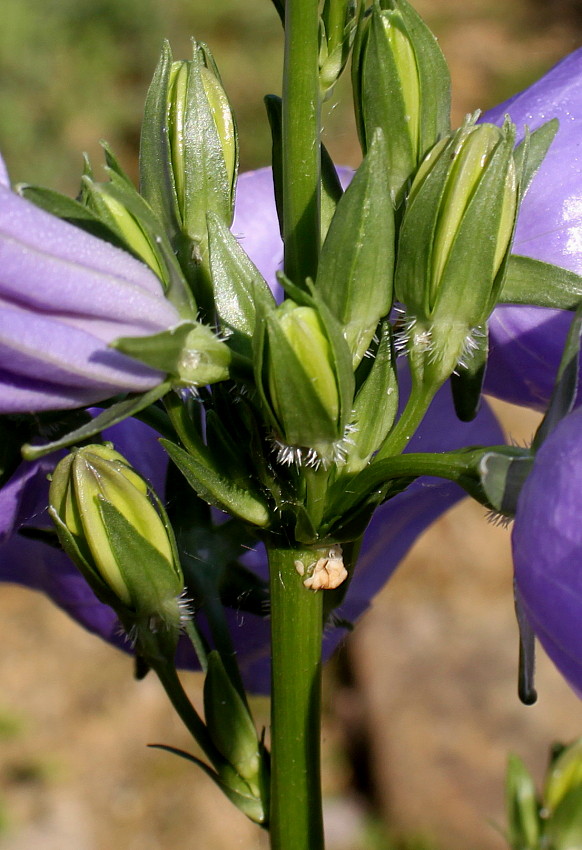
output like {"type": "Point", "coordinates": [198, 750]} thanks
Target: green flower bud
{"type": "Point", "coordinates": [401, 85]}
{"type": "Point", "coordinates": [99, 198]}
{"type": "Point", "coordinates": [454, 240]}
{"type": "Point", "coordinates": [107, 522]}
{"type": "Point", "coordinates": [203, 142]}
{"type": "Point", "coordinates": [301, 386]}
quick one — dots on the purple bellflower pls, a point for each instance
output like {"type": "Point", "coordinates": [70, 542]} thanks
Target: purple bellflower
{"type": "Point", "coordinates": [547, 547]}
{"type": "Point", "coordinates": [64, 295]}
{"type": "Point", "coordinates": [526, 343]}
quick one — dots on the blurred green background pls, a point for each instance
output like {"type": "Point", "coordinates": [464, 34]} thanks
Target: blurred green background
{"type": "Point", "coordinates": [420, 705]}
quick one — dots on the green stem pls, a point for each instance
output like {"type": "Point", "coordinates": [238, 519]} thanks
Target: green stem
{"type": "Point", "coordinates": [301, 115]}
{"type": "Point", "coordinates": [296, 629]}
{"type": "Point", "coordinates": [167, 675]}
{"type": "Point", "coordinates": [412, 415]}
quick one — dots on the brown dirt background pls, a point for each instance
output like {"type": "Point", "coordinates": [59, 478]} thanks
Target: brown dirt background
{"type": "Point", "coordinates": [421, 704]}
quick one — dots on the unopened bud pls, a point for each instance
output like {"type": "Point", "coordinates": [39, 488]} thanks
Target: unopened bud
{"type": "Point", "coordinates": [302, 385]}
{"type": "Point", "coordinates": [401, 85]}
{"type": "Point", "coordinates": [108, 524]}
{"type": "Point", "coordinates": [203, 142]}
{"type": "Point", "coordinates": [455, 236]}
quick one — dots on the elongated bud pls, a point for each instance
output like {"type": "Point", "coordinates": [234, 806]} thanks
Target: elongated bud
{"type": "Point", "coordinates": [200, 125]}
{"type": "Point", "coordinates": [301, 387]}
{"type": "Point", "coordinates": [454, 240]}
{"type": "Point", "coordinates": [401, 85]}
{"type": "Point", "coordinates": [107, 522]}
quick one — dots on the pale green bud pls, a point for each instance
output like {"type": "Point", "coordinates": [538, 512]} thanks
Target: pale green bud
{"type": "Point", "coordinates": [98, 197]}
{"type": "Point", "coordinates": [203, 142]}
{"type": "Point", "coordinates": [107, 522]}
{"type": "Point", "coordinates": [302, 383]}
{"type": "Point", "coordinates": [455, 237]}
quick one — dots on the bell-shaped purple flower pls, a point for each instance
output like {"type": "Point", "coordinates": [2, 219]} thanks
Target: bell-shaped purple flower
{"type": "Point", "coordinates": [64, 296]}
{"type": "Point", "coordinates": [527, 342]}
{"type": "Point", "coordinates": [547, 547]}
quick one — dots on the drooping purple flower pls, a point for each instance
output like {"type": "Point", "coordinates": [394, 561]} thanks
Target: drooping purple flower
{"type": "Point", "coordinates": [527, 342]}
{"type": "Point", "coordinates": [547, 547]}
{"type": "Point", "coordinates": [64, 295]}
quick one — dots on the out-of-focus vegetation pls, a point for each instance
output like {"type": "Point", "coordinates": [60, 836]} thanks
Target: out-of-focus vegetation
{"type": "Point", "coordinates": [75, 71]}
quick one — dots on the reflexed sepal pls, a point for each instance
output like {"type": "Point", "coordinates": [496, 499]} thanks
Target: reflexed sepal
{"type": "Point", "coordinates": [191, 354]}
{"type": "Point", "coordinates": [357, 258]}
{"type": "Point", "coordinates": [402, 85]}
{"type": "Point", "coordinates": [467, 380]}
{"type": "Point", "coordinates": [503, 474]}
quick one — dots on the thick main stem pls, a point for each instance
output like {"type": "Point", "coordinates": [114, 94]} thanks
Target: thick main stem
{"type": "Point", "coordinates": [296, 628]}
{"type": "Point", "coordinates": [301, 140]}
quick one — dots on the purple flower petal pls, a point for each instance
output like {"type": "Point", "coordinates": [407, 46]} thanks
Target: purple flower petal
{"type": "Point", "coordinates": [547, 547]}
{"type": "Point", "coordinates": [64, 295]}
{"type": "Point", "coordinates": [526, 342]}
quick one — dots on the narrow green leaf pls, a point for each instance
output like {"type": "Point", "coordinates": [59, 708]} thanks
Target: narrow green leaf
{"type": "Point", "coordinates": [114, 414]}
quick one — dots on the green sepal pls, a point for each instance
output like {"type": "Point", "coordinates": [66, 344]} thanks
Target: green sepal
{"type": "Point", "coordinates": [522, 807]}
{"type": "Point", "coordinates": [531, 151]}
{"type": "Point", "coordinates": [471, 257]}
{"type": "Point", "coordinates": [356, 265]}
{"type": "Point", "coordinates": [467, 380]}
{"type": "Point", "coordinates": [70, 210]}
{"type": "Point", "coordinates": [566, 385]}
{"type": "Point", "coordinates": [238, 286]}
{"type": "Point", "coordinates": [330, 190]}
{"type": "Point", "coordinates": [189, 353]}
{"type": "Point", "coordinates": [217, 490]}
{"type": "Point", "coordinates": [503, 474]}
{"type": "Point", "coordinates": [564, 775]}
{"type": "Point", "coordinates": [154, 584]}
{"type": "Point", "coordinates": [227, 454]}
{"type": "Point", "coordinates": [230, 724]}
{"type": "Point", "coordinates": [90, 574]}
{"type": "Point", "coordinates": [115, 413]}
{"type": "Point", "coordinates": [563, 828]}
{"type": "Point", "coordinates": [540, 284]}
{"type": "Point", "coordinates": [375, 404]}
{"type": "Point", "coordinates": [235, 789]}
{"type": "Point", "coordinates": [157, 184]}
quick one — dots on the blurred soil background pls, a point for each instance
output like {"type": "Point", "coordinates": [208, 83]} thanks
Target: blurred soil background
{"type": "Point", "coordinates": [421, 705]}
